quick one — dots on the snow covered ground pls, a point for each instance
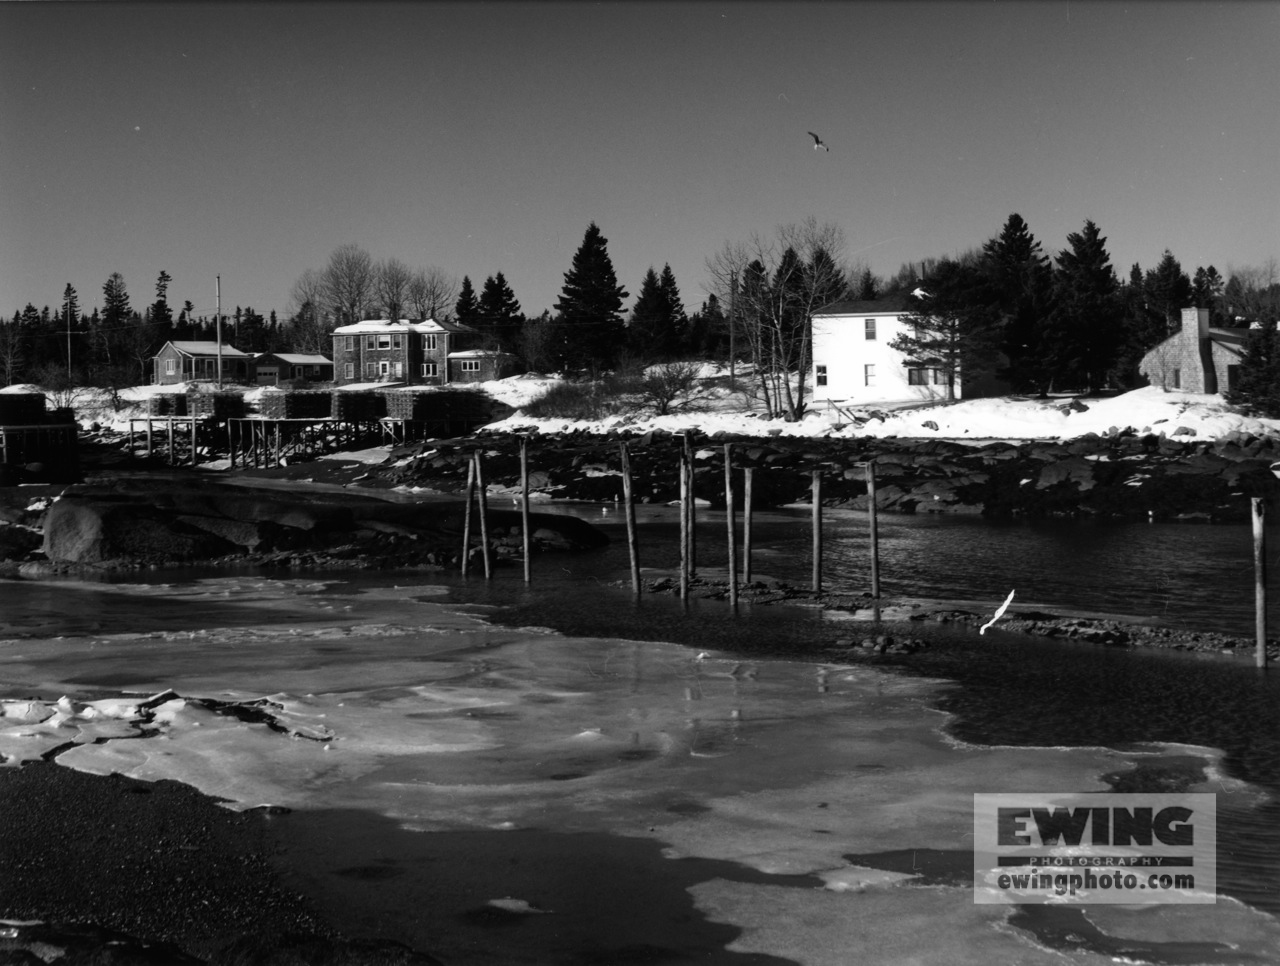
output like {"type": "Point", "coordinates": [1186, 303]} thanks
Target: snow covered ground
{"type": "Point", "coordinates": [1189, 416]}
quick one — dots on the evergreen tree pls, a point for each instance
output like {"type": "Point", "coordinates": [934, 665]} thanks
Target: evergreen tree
{"type": "Point", "coordinates": [1256, 389]}
{"type": "Point", "coordinates": [591, 328]}
{"type": "Point", "coordinates": [161, 316]}
{"type": "Point", "coordinates": [1206, 293]}
{"type": "Point", "coordinates": [1168, 291]}
{"type": "Point", "coordinates": [498, 314]}
{"type": "Point", "coordinates": [950, 325]}
{"type": "Point", "coordinates": [674, 305]}
{"type": "Point", "coordinates": [868, 287]}
{"type": "Point", "coordinates": [647, 333]}
{"type": "Point", "coordinates": [1083, 334]}
{"type": "Point", "coordinates": [467, 307]}
{"type": "Point", "coordinates": [1022, 285]}
{"type": "Point", "coordinates": [707, 335]}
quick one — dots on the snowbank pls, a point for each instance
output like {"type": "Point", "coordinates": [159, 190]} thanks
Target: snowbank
{"type": "Point", "coordinates": [1151, 410]}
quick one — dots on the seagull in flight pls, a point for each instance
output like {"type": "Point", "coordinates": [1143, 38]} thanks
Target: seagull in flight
{"type": "Point", "coordinates": [817, 142]}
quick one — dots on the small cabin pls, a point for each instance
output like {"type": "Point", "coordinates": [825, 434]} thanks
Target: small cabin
{"type": "Point", "coordinates": [276, 368]}
{"type": "Point", "coordinates": [186, 361]}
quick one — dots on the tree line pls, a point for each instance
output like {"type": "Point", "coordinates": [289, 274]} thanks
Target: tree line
{"type": "Point", "coordinates": [1040, 323]}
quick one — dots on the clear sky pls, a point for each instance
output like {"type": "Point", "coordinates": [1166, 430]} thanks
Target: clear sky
{"type": "Point", "coordinates": [251, 140]}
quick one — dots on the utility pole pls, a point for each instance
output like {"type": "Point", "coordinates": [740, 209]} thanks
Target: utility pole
{"type": "Point", "coordinates": [219, 331]}
{"type": "Point", "coordinates": [67, 313]}
{"type": "Point", "coordinates": [733, 306]}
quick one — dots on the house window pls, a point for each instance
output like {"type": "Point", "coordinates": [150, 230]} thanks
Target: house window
{"type": "Point", "coordinates": [349, 370]}
{"type": "Point", "coordinates": [917, 377]}
{"type": "Point", "coordinates": [821, 377]}
{"type": "Point", "coordinates": [399, 370]}
{"type": "Point", "coordinates": [395, 342]}
{"type": "Point", "coordinates": [470, 365]}
{"type": "Point", "coordinates": [349, 342]}
{"type": "Point", "coordinates": [369, 341]}
{"type": "Point", "coordinates": [169, 368]}
{"type": "Point", "coordinates": [429, 342]}
{"type": "Point", "coordinates": [384, 342]}
{"type": "Point", "coordinates": [939, 377]}
{"type": "Point", "coordinates": [870, 326]}
{"type": "Point", "coordinates": [430, 370]}
{"type": "Point", "coordinates": [371, 370]}
{"type": "Point", "coordinates": [297, 372]}
{"type": "Point", "coordinates": [869, 375]}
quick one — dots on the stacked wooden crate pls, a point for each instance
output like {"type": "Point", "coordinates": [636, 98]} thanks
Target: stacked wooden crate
{"type": "Point", "coordinates": [359, 406]}
{"type": "Point", "coordinates": [219, 405]}
{"type": "Point", "coordinates": [296, 404]}
{"type": "Point", "coordinates": [167, 404]}
{"type": "Point", "coordinates": [21, 408]}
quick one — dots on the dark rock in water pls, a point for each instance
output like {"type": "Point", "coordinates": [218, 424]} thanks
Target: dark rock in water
{"type": "Point", "coordinates": [156, 521]}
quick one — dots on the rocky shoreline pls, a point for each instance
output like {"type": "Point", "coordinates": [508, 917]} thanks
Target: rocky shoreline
{"type": "Point", "coordinates": [1122, 475]}
{"type": "Point", "coordinates": [899, 614]}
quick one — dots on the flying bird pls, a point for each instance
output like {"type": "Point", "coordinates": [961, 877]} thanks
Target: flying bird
{"type": "Point", "coordinates": [998, 614]}
{"type": "Point", "coordinates": [817, 142]}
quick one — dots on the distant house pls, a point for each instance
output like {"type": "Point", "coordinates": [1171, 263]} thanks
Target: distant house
{"type": "Point", "coordinates": [1196, 358]}
{"type": "Point", "coordinates": [482, 365]}
{"type": "Point", "coordinates": [406, 351]}
{"type": "Point", "coordinates": [273, 368]}
{"type": "Point", "coordinates": [187, 361]}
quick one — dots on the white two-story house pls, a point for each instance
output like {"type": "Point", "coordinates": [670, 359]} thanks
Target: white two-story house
{"type": "Point", "coordinates": [853, 362]}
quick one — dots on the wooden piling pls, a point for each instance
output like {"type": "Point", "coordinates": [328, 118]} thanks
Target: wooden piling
{"type": "Point", "coordinates": [816, 495]}
{"type": "Point", "coordinates": [747, 475]}
{"type": "Point", "coordinates": [684, 528]}
{"type": "Point", "coordinates": [629, 509]}
{"type": "Point", "coordinates": [173, 453]}
{"type": "Point", "coordinates": [1260, 580]}
{"type": "Point", "coordinates": [466, 516]}
{"type": "Point", "coordinates": [731, 525]}
{"type": "Point", "coordinates": [524, 508]}
{"type": "Point", "coordinates": [873, 528]}
{"type": "Point", "coordinates": [693, 507]}
{"type": "Point", "coordinates": [483, 493]}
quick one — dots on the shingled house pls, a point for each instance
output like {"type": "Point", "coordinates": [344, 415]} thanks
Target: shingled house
{"type": "Point", "coordinates": [184, 361]}
{"type": "Point", "coordinates": [406, 351]}
{"type": "Point", "coordinates": [273, 368]}
{"type": "Point", "coordinates": [1197, 357]}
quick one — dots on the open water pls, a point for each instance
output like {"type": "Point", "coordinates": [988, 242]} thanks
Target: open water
{"type": "Point", "coordinates": [654, 792]}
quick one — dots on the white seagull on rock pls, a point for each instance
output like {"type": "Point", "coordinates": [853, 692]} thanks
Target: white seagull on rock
{"type": "Point", "coordinates": [817, 142]}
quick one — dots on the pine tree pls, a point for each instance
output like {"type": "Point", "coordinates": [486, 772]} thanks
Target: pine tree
{"type": "Point", "coordinates": [707, 334]}
{"type": "Point", "coordinates": [674, 306]}
{"type": "Point", "coordinates": [648, 331]}
{"type": "Point", "coordinates": [868, 289]}
{"type": "Point", "coordinates": [1168, 291]}
{"type": "Point", "coordinates": [1083, 336]}
{"type": "Point", "coordinates": [1022, 284]}
{"type": "Point", "coordinates": [591, 329]}
{"type": "Point", "coordinates": [1206, 293]}
{"type": "Point", "coordinates": [498, 314]}
{"type": "Point", "coordinates": [950, 326]}
{"type": "Point", "coordinates": [1256, 388]}
{"type": "Point", "coordinates": [467, 308]}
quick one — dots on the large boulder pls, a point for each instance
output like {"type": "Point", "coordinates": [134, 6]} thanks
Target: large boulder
{"type": "Point", "coordinates": [87, 530]}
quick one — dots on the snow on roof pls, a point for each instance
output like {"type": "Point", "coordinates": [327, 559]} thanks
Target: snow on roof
{"type": "Point", "coordinates": [366, 386]}
{"type": "Point", "coordinates": [295, 359]}
{"type": "Point", "coordinates": [206, 349]}
{"type": "Point", "coordinates": [480, 354]}
{"type": "Point", "coordinates": [372, 326]}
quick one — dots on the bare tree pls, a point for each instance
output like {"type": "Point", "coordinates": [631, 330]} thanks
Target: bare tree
{"type": "Point", "coordinates": [775, 285]}
{"type": "Point", "coordinates": [432, 293]}
{"type": "Point", "coordinates": [349, 283]}
{"type": "Point", "coordinates": [13, 350]}
{"type": "Point", "coordinates": [1253, 293]}
{"type": "Point", "coordinates": [312, 324]}
{"type": "Point", "coordinates": [391, 279]}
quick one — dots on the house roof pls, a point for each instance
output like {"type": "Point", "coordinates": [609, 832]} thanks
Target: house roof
{"type": "Point", "coordinates": [373, 326]}
{"type": "Point", "coordinates": [1232, 336]}
{"type": "Point", "coordinates": [481, 354]}
{"type": "Point", "coordinates": [295, 359]}
{"type": "Point", "coordinates": [206, 349]}
{"type": "Point", "coordinates": [894, 304]}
